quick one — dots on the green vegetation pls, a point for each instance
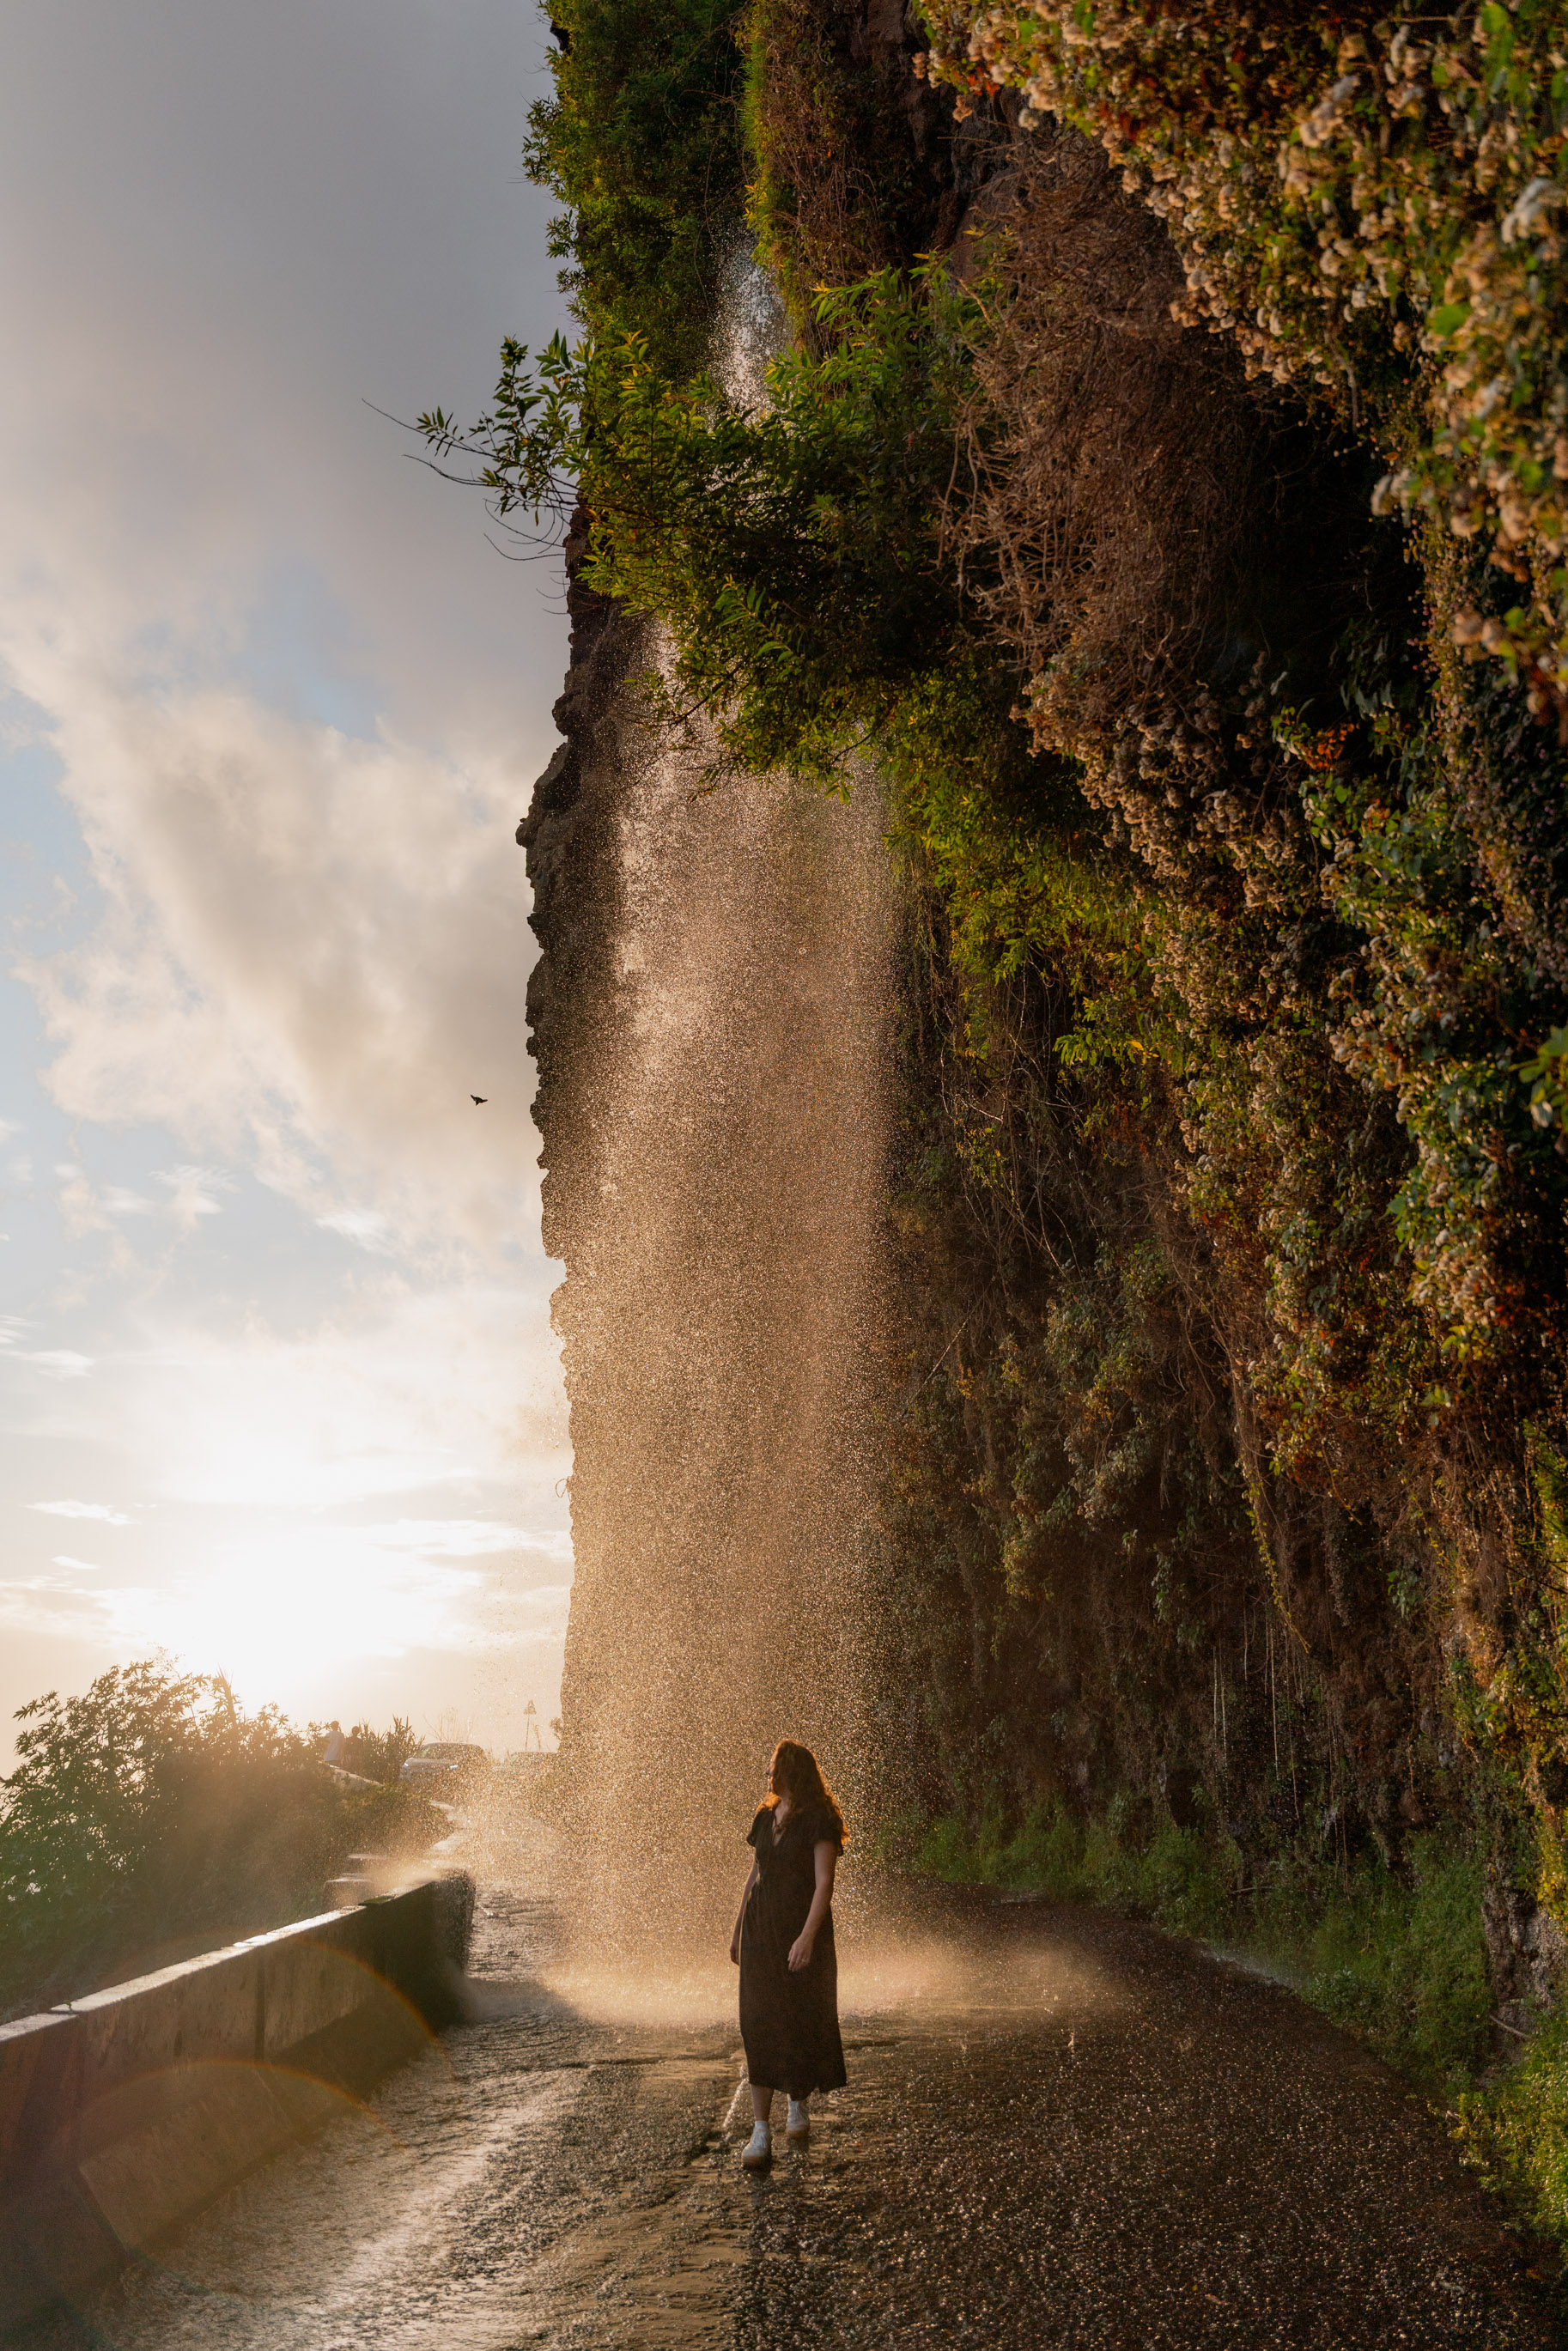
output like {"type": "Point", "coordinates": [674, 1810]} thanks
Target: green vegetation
{"type": "Point", "coordinates": [1398, 1961]}
{"type": "Point", "coordinates": [640, 141]}
{"type": "Point", "coordinates": [1180, 1879]}
{"type": "Point", "coordinates": [771, 544]}
{"type": "Point", "coordinates": [377, 1754]}
{"type": "Point", "coordinates": [151, 1818]}
{"type": "Point", "coordinates": [1515, 2133]}
{"type": "Point", "coordinates": [1344, 198]}
{"type": "Point", "coordinates": [836, 188]}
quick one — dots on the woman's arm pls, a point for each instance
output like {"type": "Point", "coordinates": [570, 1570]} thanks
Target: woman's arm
{"type": "Point", "coordinates": [744, 1898]}
{"type": "Point", "coordinates": [826, 1858]}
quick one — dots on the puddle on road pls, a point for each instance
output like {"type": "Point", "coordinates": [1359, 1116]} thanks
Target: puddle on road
{"type": "Point", "coordinates": [477, 2221]}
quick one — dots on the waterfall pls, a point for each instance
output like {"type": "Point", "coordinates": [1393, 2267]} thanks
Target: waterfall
{"type": "Point", "coordinates": [712, 1023]}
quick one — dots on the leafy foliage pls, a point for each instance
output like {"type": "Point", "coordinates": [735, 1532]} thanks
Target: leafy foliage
{"type": "Point", "coordinates": [1514, 2132]}
{"type": "Point", "coordinates": [1222, 1531]}
{"type": "Point", "coordinates": [1232, 964]}
{"type": "Point", "coordinates": [840, 183]}
{"type": "Point", "coordinates": [150, 1814]}
{"type": "Point", "coordinates": [379, 1754]}
{"type": "Point", "coordinates": [1397, 1959]}
{"type": "Point", "coordinates": [792, 551]}
{"type": "Point", "coordinates": [640, 141]}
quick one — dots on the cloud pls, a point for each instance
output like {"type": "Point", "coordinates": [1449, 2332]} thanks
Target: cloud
{"type": "Point", "coordinates": [372, 1230]}
{"type": "Point", "coordinates": [296, 703]}
{"type": "Point", "coordinates": [292, 706]}
{"type": "Point", "coordinates": [450, 1537]}
{"type": "Point", "coordinates": [264, 1602]}
{"type": "Point", "coordinates": [90, 1207]}
{"type": "Point", "coordinates": [83, 1511]}
{"type": "Point", "coordinates": [474, 1539]}
{"type": "Point", "coordinates": [44, 1605]}
{"type": "Point", "coordinates": [398, 1390]}
{"type": "Point", "coordinates": [310, 949]}
{"type": "Point", "coordinates": [87, 1210]}
{"type": "Point", "coordinates": [51, 1363]}
{"type": "Point", "coordinates": [551, 1600]}
{"type": "Point", "coordinates": [194, 1190]}
{"type": "Point", "coordinates": [120, 1202]}
{"type": "Point", "coordinates": [87, 1566]}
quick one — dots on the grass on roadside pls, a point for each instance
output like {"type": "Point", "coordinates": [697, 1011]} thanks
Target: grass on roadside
{"type": "Point", "coordinates": [1398, 1961]}
{"type": "Point", "coordinates": [1514, 2132]}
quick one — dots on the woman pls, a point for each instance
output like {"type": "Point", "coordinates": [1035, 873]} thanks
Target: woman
{"type": "Point", "coordinates": [783, 1946]}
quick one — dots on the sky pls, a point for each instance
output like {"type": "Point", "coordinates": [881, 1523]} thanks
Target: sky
{"type": "Point", "coordinates": [277, 1391]}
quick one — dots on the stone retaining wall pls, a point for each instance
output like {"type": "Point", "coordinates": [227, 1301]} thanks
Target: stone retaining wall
{"type": "Point", "coordinates": [123, 2112]}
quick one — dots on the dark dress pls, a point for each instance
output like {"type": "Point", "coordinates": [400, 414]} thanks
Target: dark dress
{"type": "Point", "coordinates": [789, 2024]}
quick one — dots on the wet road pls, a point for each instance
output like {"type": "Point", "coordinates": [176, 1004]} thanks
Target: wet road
{"type": "Point", "coordinates": [1060, 2130]}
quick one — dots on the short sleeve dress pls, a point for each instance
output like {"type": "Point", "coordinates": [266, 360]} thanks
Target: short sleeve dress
{"type": "Point", "coordinates": [789, 2024]}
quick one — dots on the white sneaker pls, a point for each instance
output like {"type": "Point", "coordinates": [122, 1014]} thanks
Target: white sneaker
{"type": "Point", "coordinates": [760, 2149]}
{"type": "Point", "coordinates": [800, 2126]}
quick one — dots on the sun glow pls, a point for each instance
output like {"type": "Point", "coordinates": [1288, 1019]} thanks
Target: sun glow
{"type": "Point", "coordinates": [293, 1602]}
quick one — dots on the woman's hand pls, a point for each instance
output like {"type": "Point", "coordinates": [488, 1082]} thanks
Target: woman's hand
{"type": "Point", "coordinates": [824, 1861]}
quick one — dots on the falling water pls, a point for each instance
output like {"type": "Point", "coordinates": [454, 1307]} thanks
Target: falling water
{"type": "Point", "coordinates": [714, 1106]}
{"type": "Point", "coordinates": [750, 330]}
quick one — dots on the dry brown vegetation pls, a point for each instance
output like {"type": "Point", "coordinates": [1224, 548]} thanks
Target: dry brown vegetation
{"type": "Point", "coordinates": [854, 164]}
{"type": "Point", "coordinates": [1117, 478]}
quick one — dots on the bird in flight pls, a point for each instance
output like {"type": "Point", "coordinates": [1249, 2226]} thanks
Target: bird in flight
{"type": "Point", "coordinates": [478, 1101]}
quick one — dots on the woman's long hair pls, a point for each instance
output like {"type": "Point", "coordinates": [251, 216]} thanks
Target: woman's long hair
{"type": "Point", "coordinates": [796, 1773]}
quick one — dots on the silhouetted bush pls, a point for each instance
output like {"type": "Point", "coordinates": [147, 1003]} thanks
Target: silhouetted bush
{"type": "Point", "coordinates": [151, 1818]}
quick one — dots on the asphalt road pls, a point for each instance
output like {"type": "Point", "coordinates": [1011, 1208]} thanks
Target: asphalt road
{"type": "Point", "coordinates": [1060, 2129]}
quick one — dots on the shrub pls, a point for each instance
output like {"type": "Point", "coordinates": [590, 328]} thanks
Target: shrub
{"type": "Point", "coordinates": [792, 554]}
{"type": "Point", "coordinates": [1515, 2132]}
{"type": "Point", "coordinates": [641, 139]}
{"type": "Point", "coordinates": [151, 1816]}
{"type": "Point", "coordinates": [379, 1754]}
{"type": "Point", "coordinates": [845, 154]}
{"type": "Point", "coordinates": [1398, 1961]}
{"type": "Point", "coordinates": [1181, 1878]}
{"type": "Point", "coordinates": [1341, 198]}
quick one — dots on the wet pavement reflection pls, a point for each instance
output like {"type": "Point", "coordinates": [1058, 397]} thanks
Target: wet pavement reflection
{"type": "Point", "coordinates": [1060, 2129]}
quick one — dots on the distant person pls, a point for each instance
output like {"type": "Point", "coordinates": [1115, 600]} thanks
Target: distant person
{"type": "Point", "coordinates": [334, 1749]}
{"type": "Point", "coordinates": [783, 1946]}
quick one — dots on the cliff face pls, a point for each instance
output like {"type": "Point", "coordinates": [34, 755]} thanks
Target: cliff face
{"type": "Point", "coordinates": [1087, 1321]}
{"type": "Point", "coordinates": [709, 1018]}
{"type": "Point", "coordinates": [568, 838]}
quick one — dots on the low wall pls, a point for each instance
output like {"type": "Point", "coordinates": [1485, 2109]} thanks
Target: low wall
{"type": "Point", "coordinates": [123, 2112]}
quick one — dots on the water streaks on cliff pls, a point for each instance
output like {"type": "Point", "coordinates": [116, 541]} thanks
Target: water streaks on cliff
{"type": "Point", "coordinates": [714, 1075]}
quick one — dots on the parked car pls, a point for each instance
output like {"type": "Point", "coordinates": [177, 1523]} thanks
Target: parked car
{"type": "Point", "coordinates": [446, 1772]}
